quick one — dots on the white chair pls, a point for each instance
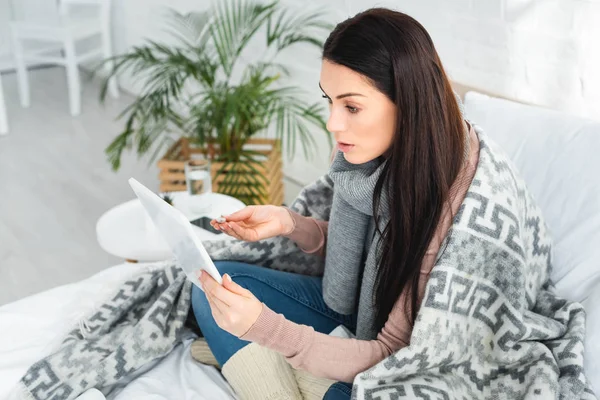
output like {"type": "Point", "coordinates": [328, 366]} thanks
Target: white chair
{"type": "Point", "coordinates": [67, 29]}
{"type": "Point", "coordinates": [3, 118]}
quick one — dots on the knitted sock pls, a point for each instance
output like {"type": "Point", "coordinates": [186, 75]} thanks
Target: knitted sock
{"type": "Point", "coordinates": [258, 373]}
{"type": "Point", "coordinates": [201, 352]}
{"type": "Point", "coordinates": [311, 387]}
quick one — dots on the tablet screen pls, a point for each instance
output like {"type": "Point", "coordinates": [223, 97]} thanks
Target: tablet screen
{"type": "Point", "coordinates": [177, 231]}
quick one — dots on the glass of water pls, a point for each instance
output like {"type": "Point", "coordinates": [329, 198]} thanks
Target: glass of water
{"type": "Point", "coordinates": [199, 185]}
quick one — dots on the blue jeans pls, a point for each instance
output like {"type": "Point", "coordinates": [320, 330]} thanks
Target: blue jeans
{"type": "Point", "coordinates": [298, 297]}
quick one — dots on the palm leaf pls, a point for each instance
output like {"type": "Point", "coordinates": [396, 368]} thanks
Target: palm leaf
{"type": "Point", "coordinates": [191, 29]}
{"type": "Point", "coordinates": [187, 89]}
{"type": "Point", "coordinates": [291, 29]}
{"type": "Point", "coordinates": [236, 22]}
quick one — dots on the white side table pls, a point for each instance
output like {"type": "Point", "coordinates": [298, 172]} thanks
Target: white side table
{"type": "Point", "coordinates": [123, 230]}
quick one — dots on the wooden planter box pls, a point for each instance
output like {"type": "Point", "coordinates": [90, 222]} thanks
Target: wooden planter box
{"type": "Point", "coordinates": [172, 168]}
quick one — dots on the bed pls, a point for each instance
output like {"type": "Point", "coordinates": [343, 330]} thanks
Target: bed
{"type": "Point", "coordinates": [31, 327]}
{"type": "Point", "coordinates": [557, 154]}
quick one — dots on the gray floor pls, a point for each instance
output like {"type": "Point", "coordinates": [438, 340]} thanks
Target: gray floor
{"type": "Point", "coordinates": [55, 183]}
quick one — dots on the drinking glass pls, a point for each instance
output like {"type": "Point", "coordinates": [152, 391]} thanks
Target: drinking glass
{"type": "Point", "coordinates": [199, 184]}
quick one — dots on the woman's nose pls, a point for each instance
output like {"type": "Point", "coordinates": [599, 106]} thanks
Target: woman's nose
{"type": "Point", "coordinates": [335, 123]}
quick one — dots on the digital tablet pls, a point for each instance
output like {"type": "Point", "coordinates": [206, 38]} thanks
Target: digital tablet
{"type": "Point", "coordinates": [177, 231]}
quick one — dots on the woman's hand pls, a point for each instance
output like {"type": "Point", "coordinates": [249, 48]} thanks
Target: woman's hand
{"type": "Point", "coordinates": [234, 308]}
{"type": "Point", "coordinates": [254, 223]}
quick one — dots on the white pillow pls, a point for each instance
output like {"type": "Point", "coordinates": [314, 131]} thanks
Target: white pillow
{"type": "Point", "coordinates": [591, 361]}
{"type": "Point", "coordinates": [558, 155]}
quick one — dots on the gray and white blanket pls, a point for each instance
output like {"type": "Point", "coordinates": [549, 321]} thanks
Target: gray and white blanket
{"type": "Point", "coordinates": [490, 325]}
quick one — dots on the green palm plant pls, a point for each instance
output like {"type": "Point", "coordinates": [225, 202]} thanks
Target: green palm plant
{"type": "Point", "coordinates": [189, 89]}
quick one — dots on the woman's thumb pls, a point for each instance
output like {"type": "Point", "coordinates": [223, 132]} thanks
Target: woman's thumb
{"type": "Point", "coordinates": [230, 285]}
{"type": "Point", "coordinates": [240, 215]}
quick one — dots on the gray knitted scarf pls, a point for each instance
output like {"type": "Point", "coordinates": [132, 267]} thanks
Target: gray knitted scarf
{"type": "Point", "coordinates": [351, 213]}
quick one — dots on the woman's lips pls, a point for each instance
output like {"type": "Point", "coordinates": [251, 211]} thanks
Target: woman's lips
{"type": "Point", "coordinates": [344, 147]}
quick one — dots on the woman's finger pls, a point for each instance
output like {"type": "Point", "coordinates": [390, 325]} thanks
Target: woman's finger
{"type": "Point", "coordinates": [226, 296]}
{"type": "Point", "coordinates": [218, 304]}
{"type": "Point", "coordinates": [241, 215]}
{"type": "Point", "coordinates": [243, 233]}
{"type": "Point", "coordinates": [228, 230]}
{"type": "Point", "coordinates": [217, 291]}
{"type": "Point", "coordinates": [215, 310]}
{"type": "Point", "coordinates": [214, 289]}
{"type": "Point", "coordinates": [224, 227]}
{"type": "Point", "coordinates": [230, 285]}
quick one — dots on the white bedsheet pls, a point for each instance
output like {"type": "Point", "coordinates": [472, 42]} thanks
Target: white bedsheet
{"type": "Point", "coordinates": [30, 328]}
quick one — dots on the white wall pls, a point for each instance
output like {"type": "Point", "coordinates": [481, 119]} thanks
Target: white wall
{"type": "Point", "coordinates": [543, 52]}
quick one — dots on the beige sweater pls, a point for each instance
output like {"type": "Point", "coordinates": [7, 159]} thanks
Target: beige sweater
{"type": "Point", "coordinates": [340, 358]}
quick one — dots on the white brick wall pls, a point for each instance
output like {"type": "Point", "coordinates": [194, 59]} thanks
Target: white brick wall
{"type": "Point", "coordinates": [544, 52]}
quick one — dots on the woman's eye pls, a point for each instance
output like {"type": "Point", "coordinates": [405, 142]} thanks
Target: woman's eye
{"type": "Point", "coordinates": [353, 110]}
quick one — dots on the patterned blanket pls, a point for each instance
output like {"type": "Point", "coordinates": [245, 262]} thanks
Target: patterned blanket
{"type": "Point", "coordinates": [490, 325]}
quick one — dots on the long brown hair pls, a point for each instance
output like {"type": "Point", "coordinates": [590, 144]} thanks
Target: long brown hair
{"type": "Point", "coordinates": [397, 54]}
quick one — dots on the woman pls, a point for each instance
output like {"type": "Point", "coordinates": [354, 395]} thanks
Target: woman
{"type": "Point", "coordinates": [405, 160]}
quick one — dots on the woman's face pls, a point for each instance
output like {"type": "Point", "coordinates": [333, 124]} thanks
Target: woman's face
{"type": "Point", "coordinates": [362, 119]}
